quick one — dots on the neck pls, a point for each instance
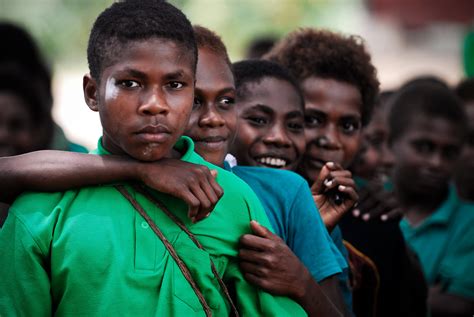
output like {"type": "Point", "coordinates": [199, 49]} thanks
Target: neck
{"type": "Point", "coordinates": [418, 207]}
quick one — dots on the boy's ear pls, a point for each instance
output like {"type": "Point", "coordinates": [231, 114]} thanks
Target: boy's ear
{"type": "Point", "coordinates": [91, 92]}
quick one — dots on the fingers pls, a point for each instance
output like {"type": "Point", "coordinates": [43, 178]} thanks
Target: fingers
{"type": "Point", "coordinates": [208, 192]}
{"type": "Point", "coordinates": [318, 187]}
{"type": "Point", "coordinates": [260, 230]}
{"type": "Point", "coordinates": [255, 242]}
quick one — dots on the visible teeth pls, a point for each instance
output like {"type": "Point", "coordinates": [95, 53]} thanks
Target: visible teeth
{"type": "Point", "coordinates": [272, 161]}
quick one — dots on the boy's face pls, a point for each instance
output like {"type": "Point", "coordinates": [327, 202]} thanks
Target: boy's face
{"type": "Point", "coordinates": [332, 124]}
{"type": "Point", "coordinates": [370, 159]}
{"type": "Point", "coordinates": [213, 118]}
{"type": "Point", "coordinates": [425, 154]}
{"type": "Point", "coordinates": [270, 130]}
{"type": "Point", "coordinates": [17, 134]}
{"type": "Point", "coordinates": [144, 99]}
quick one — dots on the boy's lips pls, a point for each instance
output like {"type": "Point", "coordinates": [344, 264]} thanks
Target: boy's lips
{"type": "Point", "coordinates": [211, 142]}
{"type": "Point", "coordinates": [154, 133]}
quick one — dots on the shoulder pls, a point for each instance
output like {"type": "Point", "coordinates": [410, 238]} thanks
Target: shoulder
{"type": "Point", "coordinates": [280, 180]}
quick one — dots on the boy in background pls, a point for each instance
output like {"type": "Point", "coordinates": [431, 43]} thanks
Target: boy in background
{"type": "Point", "coordinates": [428, 128]}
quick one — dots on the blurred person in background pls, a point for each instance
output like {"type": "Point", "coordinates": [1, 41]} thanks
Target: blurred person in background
{"type": "Point", "coordinates": [22, 50]}
{"type": "Point", "coordinates": [464, 174]}
{"type": "Point", "coordinates": [428, 127]}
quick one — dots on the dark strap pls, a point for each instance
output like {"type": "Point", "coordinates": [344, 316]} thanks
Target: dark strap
{"type": "Point", "coordinates": [182, 266]}
{"type": "Point", "coordinates": [183, 227]}
{"type": "Point", "coordinates": [170, 248]}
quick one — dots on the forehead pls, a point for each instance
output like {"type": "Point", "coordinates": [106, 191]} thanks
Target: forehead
{"type": "Point", "coordinates": [436, 129]}
{"type": "Point", "coordinates": [213, 72]}
{"type": "Point", "coordinates": [278, 95]}
{"type": "Point", "coordinates": [153, 54]}
{"type": "Point", "coordinates": [331, 96]}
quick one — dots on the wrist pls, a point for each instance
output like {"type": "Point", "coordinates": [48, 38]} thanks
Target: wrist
{"type": "Point", "coordinates": [304, 286]}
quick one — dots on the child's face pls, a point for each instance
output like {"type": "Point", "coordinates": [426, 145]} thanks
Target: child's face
{"type": "Point", "coordinates": [369, 162]}
{"type": "Point", "coordinates": [16, 126]}
{"type": "Point", "coordinates": [213, 118]}
{"type": "Point", "coordinates": [425, 154]}
{"type": "Point", "coordinates": [332, 122]}
{"type": "Point", "coordinates": [144, 99]}
{"type": "Point", "coordinates": [270, 130]}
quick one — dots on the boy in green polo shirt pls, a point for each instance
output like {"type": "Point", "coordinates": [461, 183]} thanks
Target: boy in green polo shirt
{"type": "Point", "coordinates": [427, 130]}
{"type": "Point", "coordinates": [123, 249]}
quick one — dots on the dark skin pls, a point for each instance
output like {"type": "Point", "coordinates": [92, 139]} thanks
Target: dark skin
{"type": "Point", "coordinates": [374, 162]}
{"type": "Point", "coordinates": [333, 135]}
{"type": "Point", "coordinates": [270, 134]}
{"type": "Point", "coordinates": [425, 154]}
{"type": "Point", "coordinates": [213, 114]}
{"type": "Point", "coordinates": [271, 126]}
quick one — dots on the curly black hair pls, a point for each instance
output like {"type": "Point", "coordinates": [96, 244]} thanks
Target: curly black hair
{"type": "Point", "coordinates": [430, 98]}
{"type": "Point", "coordinates": [309, 52]}
{"type": "Point", "coordinates": [255, 70]}
{"type": "Point", "coordinates": [132, 20]}
{"type": "Point", "coordinates": [206, 38]}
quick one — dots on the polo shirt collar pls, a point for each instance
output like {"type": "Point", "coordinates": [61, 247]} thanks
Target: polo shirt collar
{"type": "Point", "coordinates": [184, 144]}
{"type": "Point", "coordinates": [445, 212]}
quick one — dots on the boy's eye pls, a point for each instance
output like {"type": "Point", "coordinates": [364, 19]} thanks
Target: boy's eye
{"type": "Point", "coordinates": [296, 127]}
{"type": "Point", "coordinates": [424, 147]}
{"type": "Point", "coordinates": [312, 121]}
{"type": "Point", "coordinates": [226, 101]}
{"type": "Point", "coordinates": [451, 152]}
{"type": "Point", "coordinates": [176, 85]}
{"type": "Point", "coordinates": [350, 126]}
{"type": "Point", "coordinates": [258, 121]}
{"type": "Point", "coordinates": [129, 83]}
{"type": "Point", "coordinates": [197, 103]}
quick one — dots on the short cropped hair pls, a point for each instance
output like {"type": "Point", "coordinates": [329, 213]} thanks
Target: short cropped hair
{"type": "Point", "coordinates": [429, 98]}
{"type": "Point", "coordinates": [309, 52]}
{"type": "Point", "coordinates": [465, 90]}
{"type": "Point", "coordinates": [132, 20]}
{"type": "Point", "coordinates": [255, 70]}
{"type": "Point", "coordinates": [205, 38]}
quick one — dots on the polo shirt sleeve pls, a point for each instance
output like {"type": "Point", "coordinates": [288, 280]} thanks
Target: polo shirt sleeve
{"type": "Point", "coordinates": [456, 268]}
{"type": "Point", "coordinates": [25, 286]}
{"type": "Point", "coordinates": [308, 237]}
{"type": "Point", "coordinates": [251, 300]}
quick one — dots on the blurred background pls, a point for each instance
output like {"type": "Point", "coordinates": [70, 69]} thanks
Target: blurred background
{"type": "Point", "coordinates": [405, 37]}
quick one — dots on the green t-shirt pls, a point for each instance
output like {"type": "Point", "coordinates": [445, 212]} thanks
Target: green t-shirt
{"type": "Point", "coordinates": [444, 243]}
{"type": "Point", "coordinates": [87, 252]}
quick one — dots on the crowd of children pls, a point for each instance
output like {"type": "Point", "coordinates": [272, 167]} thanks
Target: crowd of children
{"type": "Point", "coordinates": [283, 185]}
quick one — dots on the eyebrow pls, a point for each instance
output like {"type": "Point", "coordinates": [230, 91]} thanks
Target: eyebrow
{"type": "Point", "coordinates": [294, 114]}
{"type": "Point", "coordinates": [264, 108]}
{"type": "Point", "coordinates": [176, 75]}
{"type": "Point", "coordinates": [132, 72]}
{"type": "Point", "coordinates": [222, 91]}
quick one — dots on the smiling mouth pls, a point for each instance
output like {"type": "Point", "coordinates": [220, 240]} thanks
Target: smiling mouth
{"type": "Point", "coordinates": [274, 162]}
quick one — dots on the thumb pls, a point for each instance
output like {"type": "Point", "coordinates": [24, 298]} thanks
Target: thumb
{"type": "Point", "coordinates": [214, 173]}
{"type": "Point", "coordinates": [259, 230]}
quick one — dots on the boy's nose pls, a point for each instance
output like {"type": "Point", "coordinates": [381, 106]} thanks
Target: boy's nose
{"type": "Point", "coordinates": [154, 104]}
{"type": "Point", "coordinates": [329, 139]}
{"type": "Point", "coordinates": [211, 119]}
{"type": "Point", "coordinates": [277, 136]}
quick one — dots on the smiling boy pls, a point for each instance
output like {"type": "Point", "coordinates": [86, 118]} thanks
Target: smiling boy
{"type": "Point", "coordinates": [125, 249]}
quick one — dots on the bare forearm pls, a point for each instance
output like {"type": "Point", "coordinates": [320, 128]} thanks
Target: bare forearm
{"type": "Point", "coordinates": [316, 302]}
{"type": "Point", "coordinates": [58, 170]}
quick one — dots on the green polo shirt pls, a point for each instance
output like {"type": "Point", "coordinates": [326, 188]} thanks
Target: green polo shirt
{"type": "Point", "coordinates": [87, 252]}
{"type": "Point", "coordinates": [444, 243]}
